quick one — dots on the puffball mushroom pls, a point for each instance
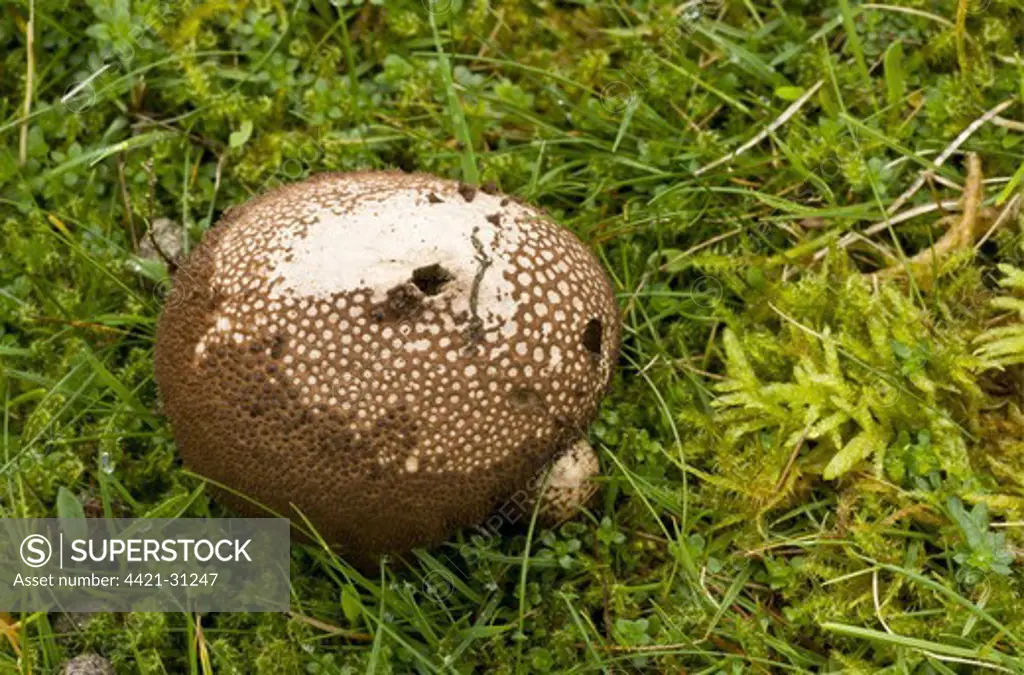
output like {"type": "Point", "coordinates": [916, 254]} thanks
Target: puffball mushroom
{"type": "Point", "coordinates": [392, 355]}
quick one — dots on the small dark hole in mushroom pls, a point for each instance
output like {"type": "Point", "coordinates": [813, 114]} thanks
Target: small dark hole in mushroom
{"type": "Point", "coordinates": [525, 396]}
{"type": "Point", "coordinates": [592, 337]}
{"type": "Point", "coordinates": [277, 347]}
{"type": "Point", "coordinates": [430, 279]}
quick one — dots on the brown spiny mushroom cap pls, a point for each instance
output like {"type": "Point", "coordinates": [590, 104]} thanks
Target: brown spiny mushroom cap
{"type": "Point", "coordinates": [393, 354]}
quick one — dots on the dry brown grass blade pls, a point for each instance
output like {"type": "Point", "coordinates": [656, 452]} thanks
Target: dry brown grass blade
{"type": "Point", "coordinates": [330, 629]}
{"type": "Point", "coordinates": [30, 73]}
{"type": "Point", "coordinates": [9, 627]}
{"type": "Point", "coordinates": [961, 235]}
{"type": "Point", "coordinates": [204, 652]}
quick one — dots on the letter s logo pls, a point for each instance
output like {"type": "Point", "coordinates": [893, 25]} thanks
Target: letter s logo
{"type": "Point", "coordinates": [36, 550]}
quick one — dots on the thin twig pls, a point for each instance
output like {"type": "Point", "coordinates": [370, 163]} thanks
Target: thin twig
{"type": "Point", "coordinates": [779, 121]}
{"type": "Point", "coordinates": [1012, 125]}
{"type": "Point", "coordinates": [1004, 216]}
{"type": "Point", "coordinates": [703, 244]}
{"type": "Point", "coordinates": [909, 10]}
{"type": "Point", "coordinates": [948, 152]}
{"type": "Point", "coordinates": [878, 605]}
{"type": "Point", "coordinates": [875, 228]}
{"type": "Point", "coordinates": [332, 630]}
{"type": "Point", "coordinates": [784, 476]}
{"type": "Point", "coordinates": [942, 180]}
{"type": "Point", "coordinates": [172, 264]}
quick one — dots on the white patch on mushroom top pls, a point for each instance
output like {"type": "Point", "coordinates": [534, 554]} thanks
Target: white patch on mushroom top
{"type": "Point", "coordinates": [379, 242]}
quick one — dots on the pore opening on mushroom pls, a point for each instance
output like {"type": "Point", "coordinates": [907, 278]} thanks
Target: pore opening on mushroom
{"type": "Point", "coordinates": [592, 337]}
{"type": "Point", "coordinates": [430, 278]}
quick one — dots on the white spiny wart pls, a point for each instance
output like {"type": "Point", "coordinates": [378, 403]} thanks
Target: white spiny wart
{"type": "Point", "coordinates": [393, 354]}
